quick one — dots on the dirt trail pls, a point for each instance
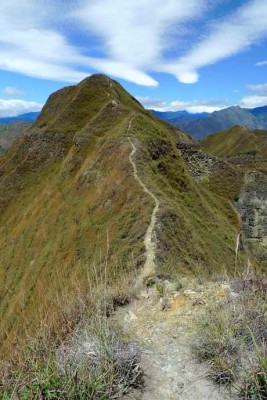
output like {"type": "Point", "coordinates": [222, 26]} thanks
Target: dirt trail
{"type": "Point", "coordinates": [149, 240]}
{"type": "Point", "coordinates": [164, 337]}
{"type": "Point", "coordinates": [160, 322]}
{"type": "Point", "coordinates": [237, 246]}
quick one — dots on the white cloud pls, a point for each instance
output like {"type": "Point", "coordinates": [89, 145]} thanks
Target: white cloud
{"type": "Point", "coordinates": [29, 45]}
{"type": "Point", "coordinates": [14, 107]}
{"type": "Point", "coordinates": [252, 101]}
{"type": "Point", "coordinates": [134, 31]}
{"type": "Point", "coordinates": [255, 100]}
{"type": "Point", "coordinates": [151, 103]}
{"type": "Point", "coordinates": [121, 70]}
{"type": "Point", "coordinates": [227, 38]}
{"type": "Point", "coordinates": [12, 91]}
{"type": "Point", "coordinates": [261, 89]}
{"type": "Point", "coordinates": [198, 106]}
{"type": "Point", "coordinates": [133, 37]}
{"type": "Point", "coordinates": [193, 107]}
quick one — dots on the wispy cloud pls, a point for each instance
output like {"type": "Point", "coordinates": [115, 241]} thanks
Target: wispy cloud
{"type": "Point", "coordinates": [27, 46]}
{"type": "Point", "coordinates": [226, 38]}
{"type": "Point", "coordinates": [195, 106]}
{"type": "Point", "coordinates": [135, 33]}
{"type": "Point", "coordinates": [152, 103]}
{"type": "Point", "coordinates": [14, 107]}
{"type": "Point", "coordinates": [261, 63]}
{"type": "Point", "coordinates": [133, 36]}
{"type": "Point", "coordinates": [255, 100]}
{"type": "Point", "coordinates": [199, 106]}
{"type": "Point", "coordinates": [133, 39]}
{"type": "Point", "coordinates": [261, 89]}
{"type": "Point", "coordinates": [12, 91]}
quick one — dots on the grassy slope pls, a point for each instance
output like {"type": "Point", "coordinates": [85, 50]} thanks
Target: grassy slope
{"type": "Point", "coordinates": [70, 204]}
{"type": "Point", "coordinates": [196, 226]}
{"type": "Point", "coordinates": [240, 141]}
{"type": "Point", "coordinates": [246, 150]}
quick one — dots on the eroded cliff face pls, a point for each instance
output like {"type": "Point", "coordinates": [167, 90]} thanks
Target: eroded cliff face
{"type": "Point", "coordinates": [213, 173]}
{"type": "Point", "coordinates": [225, 177]}
{"type": "Point", "coordinates": [252, 207]}
{"type": "Point", "coordinates": [246, 151]}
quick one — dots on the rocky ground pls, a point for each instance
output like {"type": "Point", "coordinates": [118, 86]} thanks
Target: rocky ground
{"type": "Point", "coordinates": [161, 322]}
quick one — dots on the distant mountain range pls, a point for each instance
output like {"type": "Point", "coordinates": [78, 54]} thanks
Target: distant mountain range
{"type": "Point", "coordinates": [201, 125]}
{"type": "Point", "coordinates": [29, 117]}
{"type": "Point", "coordinates": [198, 125]}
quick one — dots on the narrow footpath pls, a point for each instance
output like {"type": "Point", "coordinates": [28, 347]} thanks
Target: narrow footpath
{"type": "Point", "coordinates": [160, 322]}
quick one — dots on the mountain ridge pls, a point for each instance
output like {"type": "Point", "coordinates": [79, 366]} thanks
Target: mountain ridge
{"type": "Point", "coordinates": [71, 209]}
{"type": "Point", "coordinates": [28, 117]}
{"type": "Point", "coordinates": [199, 127]}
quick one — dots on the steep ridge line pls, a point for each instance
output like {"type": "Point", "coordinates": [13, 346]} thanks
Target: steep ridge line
{"type": "Point", "coordinates": [150, 246]}
{"type": "Point", "coordinates": [161, 328]}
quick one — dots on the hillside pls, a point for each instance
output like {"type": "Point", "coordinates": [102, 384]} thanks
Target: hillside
{"type": "Point", "coordinates": [10, 132]}
{"type": "Point", "coordinates": [245, 146]}
{"type": "Point", "coordinates": [246, 150]}
{"type": "Point", "coordinates": [201, 125]}
{"type": "Point", "coordinates": [73, 212]}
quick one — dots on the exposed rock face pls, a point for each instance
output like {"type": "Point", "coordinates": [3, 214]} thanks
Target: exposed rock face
{"type": "Point", "coordinates": [252, 206]}
{"type": "Point", "coordinates": [199, 163]}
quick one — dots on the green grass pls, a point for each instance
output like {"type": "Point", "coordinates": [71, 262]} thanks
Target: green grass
{"type": "Point", "coordinates": [67, 206]}
{"type": "Point", "coordinates": [197, 227]}
{"type": "Point", "coordinates": [239, 142]}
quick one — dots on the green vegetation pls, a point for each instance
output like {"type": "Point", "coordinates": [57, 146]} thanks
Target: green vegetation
{"type": "Point", "coordinates": [241, 142]}
{"type": "Point", "coordinates": [197, 226]}
{"type": "Point", "coordinates": [76, 352]}
{"type": "Point", "coordinates": [69, 202]}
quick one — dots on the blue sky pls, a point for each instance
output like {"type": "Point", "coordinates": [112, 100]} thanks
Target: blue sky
{"type": "Point", "coordinates": [198, 55]}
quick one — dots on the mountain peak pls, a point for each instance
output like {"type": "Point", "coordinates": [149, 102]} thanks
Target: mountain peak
{"type": "Point", "coordinates": [70, 109]}
{"type": "Point", "coordinates": [97, 79]}
{"type": "Point", "coordinates": [85, 176]}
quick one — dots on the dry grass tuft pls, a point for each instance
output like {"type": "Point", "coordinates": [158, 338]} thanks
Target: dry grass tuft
{"type": "Point", "coordinates": [76, 354]}
{"type": "Point", "coordinates": [232, 338]}
{"type": "Point", "coordinates": [91, 362]}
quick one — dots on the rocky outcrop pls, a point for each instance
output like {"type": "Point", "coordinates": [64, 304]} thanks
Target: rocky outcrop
{"type": "Point", "coordinates": [199, 163]}
{"type": "Point", "coordinates": [252, 206]}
